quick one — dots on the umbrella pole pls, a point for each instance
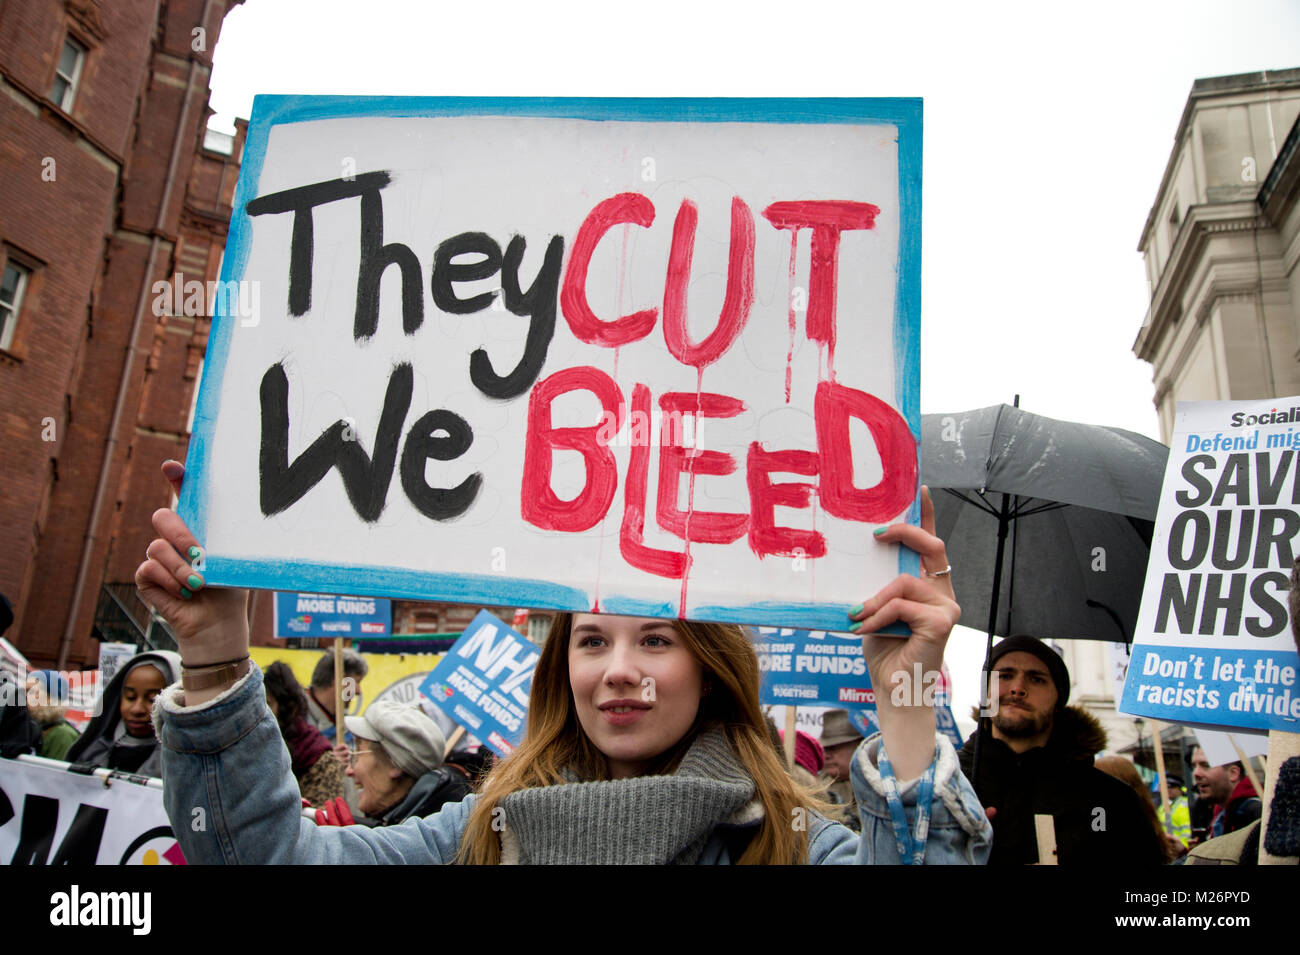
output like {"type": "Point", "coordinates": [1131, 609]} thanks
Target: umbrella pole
{"type": "Point", "coordinates": [1004, 522]}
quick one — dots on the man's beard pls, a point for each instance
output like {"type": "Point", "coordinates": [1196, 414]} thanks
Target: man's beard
{"type": "Point", "coordinates": [1016, 722]}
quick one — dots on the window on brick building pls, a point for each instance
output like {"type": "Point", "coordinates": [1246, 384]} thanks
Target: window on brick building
{"type": "Point", "coordinates": [68, 74]}
{"type": "Point", "coordinates": [12, 285]}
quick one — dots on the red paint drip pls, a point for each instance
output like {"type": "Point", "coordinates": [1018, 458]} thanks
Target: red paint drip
{"type": "Point", "coordinates": [789, 355]}
{"type": "Point", "coordinates": [690, 492]}
{"type": "Point", "coordinates": [686, 576]}
{"type": "Point", "coordinates": [812, 567]}
{"type": "Point", "coordinates": [600, 561]}
{"type": "Point", "coordinates": [631, 538]}
{"type": "Point", "coordinates": [826, 219]}
{"type": "Point", "coordinates": [622, 279]}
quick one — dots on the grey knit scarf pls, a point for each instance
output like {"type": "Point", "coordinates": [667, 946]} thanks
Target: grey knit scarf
{"type": "Point", "coordinates": [647, 820]}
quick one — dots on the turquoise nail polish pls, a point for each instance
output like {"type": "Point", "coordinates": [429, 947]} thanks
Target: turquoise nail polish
{"type": "Point", "coordinates": [195, 553]}
{"type": "Point", "coordinates": [856, 610]}
{"type": "Point", "coordinates": [880, 530]}
{"type": "Point", "coordinates": [194, 581]}
{"type": "Point", "coordinates": [186, 594]}
{"type": "Point", "coordinates": [856, 627]}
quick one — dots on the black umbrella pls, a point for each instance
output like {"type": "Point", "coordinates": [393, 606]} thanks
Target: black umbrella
{"type": "Point", "coordinates": [1047, 523]}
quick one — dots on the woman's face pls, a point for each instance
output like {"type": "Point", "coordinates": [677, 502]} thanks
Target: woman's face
{"type": "Point", "coordinates": [636, 687]}
{"type": "Point", "coordinates": [379, 787]}
{"type": "Point", "coordinates": [138, 691]}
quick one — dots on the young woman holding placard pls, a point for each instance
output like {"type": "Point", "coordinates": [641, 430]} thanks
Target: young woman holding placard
{"type": "Point", "coordinates": [645, 742]}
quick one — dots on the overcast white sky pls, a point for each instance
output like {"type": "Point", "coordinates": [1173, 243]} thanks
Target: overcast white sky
{"type": "Point", "coordinates": [1047, 130]}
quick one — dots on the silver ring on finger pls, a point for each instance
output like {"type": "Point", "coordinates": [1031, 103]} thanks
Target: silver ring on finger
{"type": "Point", "coordinates": [940, 573]}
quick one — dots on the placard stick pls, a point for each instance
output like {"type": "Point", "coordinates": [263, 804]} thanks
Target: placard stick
{"type": "Point", "coordinates": [790, 713]}
{"type": "Point", "coordinates": [1045, 830]}
{"type": "Point", "coordinates": [1281, 747]}
{"type": "Point", "coordinates": [1245, 761]}
{"type": "Point", "coordinates": [1161, 779]}
{"type": "Point", "coordinates": [452, 740]}
{"type": "Point", "coordinates": [338, 689]}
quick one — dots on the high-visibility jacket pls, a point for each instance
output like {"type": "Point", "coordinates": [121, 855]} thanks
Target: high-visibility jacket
{"type": "Point", "coordinates": [1182, 820]}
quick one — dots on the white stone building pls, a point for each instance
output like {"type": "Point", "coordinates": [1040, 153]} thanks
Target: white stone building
{"type": "Point", "coordinates": [1220, 247]}
{"type": "Point", "coordinates": [1220, 244]}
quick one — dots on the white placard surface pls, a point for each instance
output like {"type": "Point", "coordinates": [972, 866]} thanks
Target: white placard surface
{"type": "Point", "coordinates": [643, 356]}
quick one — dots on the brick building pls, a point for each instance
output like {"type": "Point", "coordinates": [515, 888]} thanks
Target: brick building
{"type": "Point", "coordinates": [111, 183]}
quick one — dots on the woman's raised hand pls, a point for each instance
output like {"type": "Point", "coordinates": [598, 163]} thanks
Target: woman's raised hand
{"type": "Point", "coordinates": [928, 606]}
{"type": "Point", "coordinates": [210, 624]}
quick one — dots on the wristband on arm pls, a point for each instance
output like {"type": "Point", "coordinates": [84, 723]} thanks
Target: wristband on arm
{"type": "Point", "coordinates": [226, 673]}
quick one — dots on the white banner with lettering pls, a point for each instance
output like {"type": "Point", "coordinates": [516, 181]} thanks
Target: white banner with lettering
{"type": "Point", "coordinates": [50, 816]}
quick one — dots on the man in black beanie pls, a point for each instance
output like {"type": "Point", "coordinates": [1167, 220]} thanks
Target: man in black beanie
{"type": "Point", "coordinates": [1036, 759]}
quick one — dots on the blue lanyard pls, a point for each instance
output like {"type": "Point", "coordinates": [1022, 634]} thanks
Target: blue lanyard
{"type": "Point", "coordinates": [912, 852]}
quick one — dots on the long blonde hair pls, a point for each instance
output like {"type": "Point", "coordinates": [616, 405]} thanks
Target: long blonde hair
{"type": "Point", "coordinates": [554, 741]}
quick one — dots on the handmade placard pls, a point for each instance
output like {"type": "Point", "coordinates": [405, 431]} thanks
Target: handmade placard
{"type": "Point", "coordinates": [653, 357]}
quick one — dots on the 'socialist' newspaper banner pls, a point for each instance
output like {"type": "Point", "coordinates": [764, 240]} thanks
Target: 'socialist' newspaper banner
{"type": "Point", "coordinates": [327, 615]}
{"type": "Point", "coordinates": [50, 816]}
{"type": "Point", "coordinates": [484, 680]}
{"type": "Point", "coordinates": [657, 357]}
{"type": "Point", "coordinates": [1213, 643]}
{"type": "Point", "coordinates": [826, 669]}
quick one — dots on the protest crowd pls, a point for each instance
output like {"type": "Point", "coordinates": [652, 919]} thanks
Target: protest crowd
{"type": "Point", "coordinates": [706, 782]}
{"type": "Point", "coordinates": [711, 687]}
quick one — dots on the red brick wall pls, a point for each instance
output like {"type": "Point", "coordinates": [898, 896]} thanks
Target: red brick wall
{"type": "Point", "coordinates": [31, 40]}
{"type": "Point", "coordinates": [90, 233]}
{"type": "Point", "coordinates": [60, 225]}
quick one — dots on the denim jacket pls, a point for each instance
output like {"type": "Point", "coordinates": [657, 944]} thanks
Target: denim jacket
{"type": "Point", "coordinates": [231, 798]}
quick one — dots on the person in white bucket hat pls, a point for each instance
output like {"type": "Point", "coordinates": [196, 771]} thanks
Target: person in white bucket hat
{"type": "Point", "coordinates": [397, 763]}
